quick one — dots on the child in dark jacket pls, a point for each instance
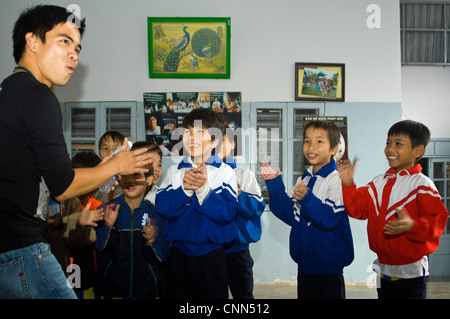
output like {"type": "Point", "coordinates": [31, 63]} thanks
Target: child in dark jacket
{"type": "Point", "coordinates": [320, 241]}
{"type": "Point", "coordinates": [130, 242]}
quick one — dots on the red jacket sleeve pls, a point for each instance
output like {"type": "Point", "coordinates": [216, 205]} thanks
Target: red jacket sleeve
{"type": "Point", "coordinates": [355, 201]}
{"type": "Point", "coordinates": [432, 216]}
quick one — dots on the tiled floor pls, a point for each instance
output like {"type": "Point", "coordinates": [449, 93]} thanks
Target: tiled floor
{"type": "Point", "coordinates": [436, 289]}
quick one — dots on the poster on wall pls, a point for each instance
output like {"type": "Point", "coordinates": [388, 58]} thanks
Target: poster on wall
{"type": "Point", "coordinates": [164, 114]}
{"type": "Point", "coordinates": [341, 123]}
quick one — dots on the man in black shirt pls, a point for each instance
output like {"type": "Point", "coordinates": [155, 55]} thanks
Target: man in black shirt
{"type": "Point", "coordinates": [34, 163]}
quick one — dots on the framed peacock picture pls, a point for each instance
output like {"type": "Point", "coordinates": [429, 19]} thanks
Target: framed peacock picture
{"type": "Point", "coordinates": [189, 47]}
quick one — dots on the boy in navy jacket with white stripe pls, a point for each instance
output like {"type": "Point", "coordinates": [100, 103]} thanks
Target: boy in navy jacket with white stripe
{"type": "Point", "coordinates": [248, 224]}
{"type": "Point", "coordinates": [320, 241]}
{"type": "Point", "coordinates": [198, 198]}
{"type": "Point", "coordinates": [130, 242]}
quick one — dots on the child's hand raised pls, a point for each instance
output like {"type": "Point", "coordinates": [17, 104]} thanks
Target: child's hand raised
{"type": "Point", "coordinates": [268, 173]}
{"type": "Point", "coordinates": [195, 178]}
{"type": "Point", "coordinates": [346, 171]}
{"type": "Point", "coordinates": [90, 217]}
{"type": "Point", "coordinates": [299, 190]}
{"type": "Point", "coordinates": [150, 232]}
{"type": "Point", "coordinates": [111, 214]}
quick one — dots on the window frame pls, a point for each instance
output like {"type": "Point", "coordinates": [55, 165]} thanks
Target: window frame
{"type": "Point", "coordinates": [100, 120]}
{"type": "Point", "coordinates": [445, 30]}
{"type": "Point", "coordinates": [445, 196]}
{"type": "Point", "coordinates": [287, 135]}
{"type": "Point", "coordinates": [438, 150]}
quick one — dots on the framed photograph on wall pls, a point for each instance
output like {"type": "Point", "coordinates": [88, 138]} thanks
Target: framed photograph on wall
{"type": "Point", "coordinates": [320, 82]}
{"type": "Point", "coordinates": [189, 47]}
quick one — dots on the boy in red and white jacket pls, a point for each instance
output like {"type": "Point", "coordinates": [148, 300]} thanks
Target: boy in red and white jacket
{"type": "Point", "coordinates": [405, 213]}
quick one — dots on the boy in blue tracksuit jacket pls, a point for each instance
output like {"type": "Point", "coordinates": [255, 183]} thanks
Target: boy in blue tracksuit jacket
{"type": "Point", "coordinates": [248, 225]}
{"type": "Point", "coordinates": [130, 242]}
{"type": "Point", "coordinates": [198, 199]}
{"type": "Point", "coordinates": [320, 241]}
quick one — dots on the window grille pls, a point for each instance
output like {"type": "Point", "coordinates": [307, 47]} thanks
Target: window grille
{"type": "Point", "coordinates": [424, 32]}
{"type": "Point", "coordinates": [280, 142]}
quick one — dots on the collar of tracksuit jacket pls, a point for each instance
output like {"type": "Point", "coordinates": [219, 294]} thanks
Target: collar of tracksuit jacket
{"type": "Point", "coordinates": [214, 160]}
{"type": "Point", "coordinates": [324, 172]}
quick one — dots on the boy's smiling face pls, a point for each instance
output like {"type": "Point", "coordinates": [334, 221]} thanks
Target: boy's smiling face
{"type": "Point", "coordinates": [316, 147]}
{"type": "Point", "coordinates": [198, 142]}
{"type": "Point", "coordinates": [400, 153]}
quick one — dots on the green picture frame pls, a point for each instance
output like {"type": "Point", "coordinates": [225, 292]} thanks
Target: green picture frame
{"type": "Point", "coordinates": [189, 47]}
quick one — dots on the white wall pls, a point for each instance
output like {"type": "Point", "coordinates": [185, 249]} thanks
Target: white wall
{"type": "Point", "coordinates": [268, 37]}
{"type": "Point", "coordinates": [425, 97]}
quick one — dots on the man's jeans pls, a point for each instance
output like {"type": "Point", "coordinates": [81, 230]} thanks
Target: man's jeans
{"type": "Point", "coordinates": [33, 272]}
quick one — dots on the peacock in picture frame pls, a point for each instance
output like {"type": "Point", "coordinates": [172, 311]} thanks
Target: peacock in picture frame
{"type": "Point", "coordinates": [189, 47]}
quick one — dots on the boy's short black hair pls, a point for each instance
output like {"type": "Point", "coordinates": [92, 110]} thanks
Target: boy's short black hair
{"type": "Point", "coordinates": [209, 120]}
{"type": "Point", "coordinates": [151, 147]}
{"type": "Point", "coordinates": [39, 20]}
{"type": "Point", "coordinates": [115, 136]}
{"type": "Point", "coordinates": [334, 134]}
{"type": "Point", "coordinates": [418, 133]}
{"type": "Point", "coordinates": [85, 159]}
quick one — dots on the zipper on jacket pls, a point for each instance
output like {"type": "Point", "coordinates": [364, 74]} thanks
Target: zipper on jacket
{"type": "Point", "coordinates": [130, 292]}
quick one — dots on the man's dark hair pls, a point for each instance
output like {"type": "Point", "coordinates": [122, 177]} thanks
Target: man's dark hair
{"type": "Point", "coordinates": [85, 159]}
{"type": "Point", "coordinates": [418, 133]}
{"type": "Point", "coordinates": [39, 20]}
{"type": "Point", "coordinates": [334, 134]}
